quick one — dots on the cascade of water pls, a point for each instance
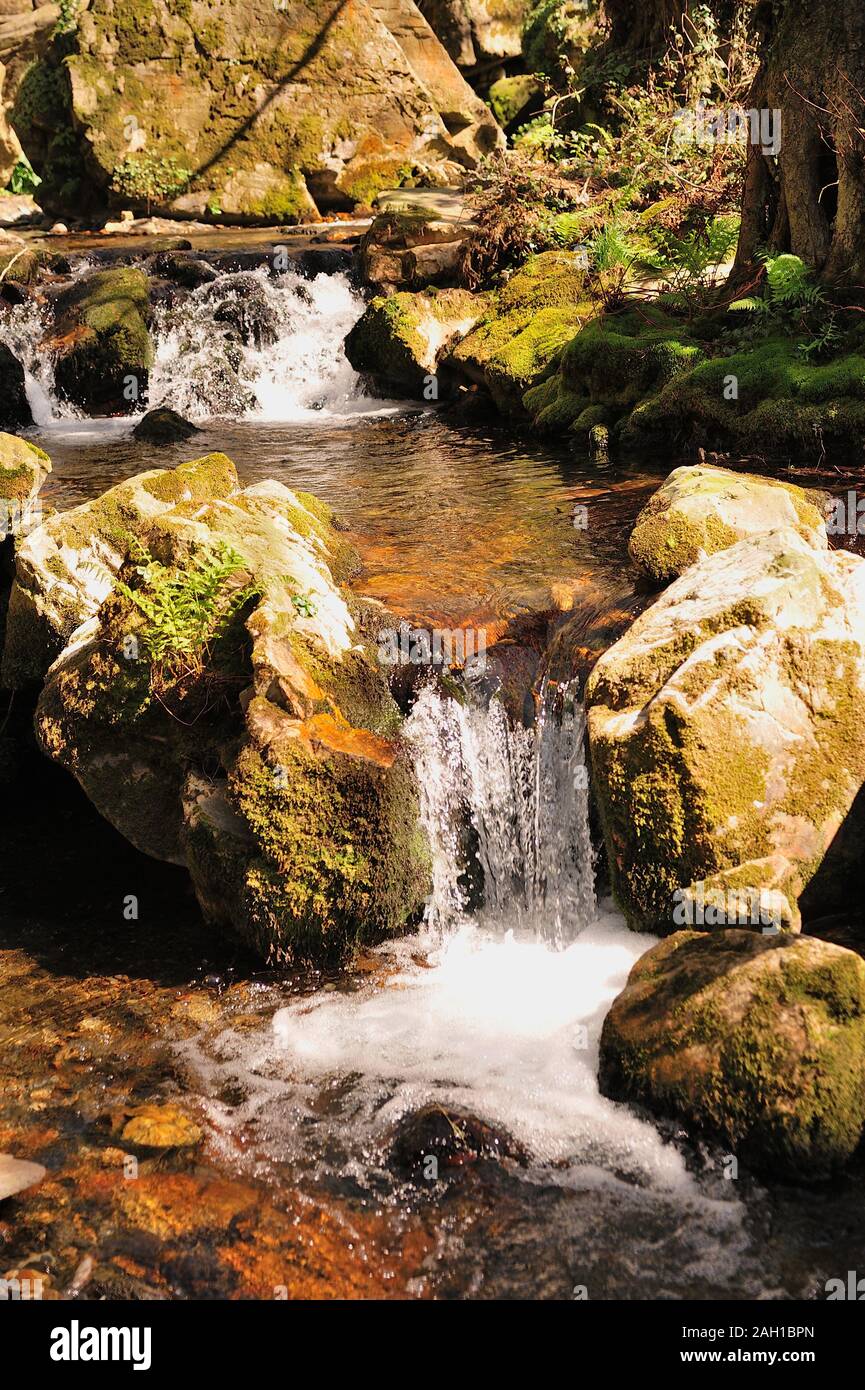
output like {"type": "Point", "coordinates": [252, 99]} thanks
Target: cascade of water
{"type": "Point", "coordinates": [23, 331]}
{"type": "Point", "coordinates": [525, 793]}
{"type": "Point", "coordinates": [266, 347]}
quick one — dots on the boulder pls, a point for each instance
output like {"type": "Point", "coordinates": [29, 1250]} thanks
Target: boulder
{"type": "Point", "coordinates": [14, 406]}
{"type": "Point", "coordinates": [727, 734]}
{"type": "Point", "coordinates": [451, 1138]}
{"type": "Point", "coordinates": [700, 509]}
{"type": "Point", "coordinates": [23, 470]}
{"type": "Point", "coordinates": [410, 250]}
{"type": "Point", "coordinates": [25, 30]}
{"type": "Point", "coordinates": [261, 112]}
{"type": "Point", "coordinates": [102, 341]}
{"type": "Point", "coordinates": [398, 342]}
{"type": "Point", "coordinates": [163, 426]}
{"type": "Point", "coordinates": [215, 695]}
{"type": "Point", "coordinates": [757, 1041]}
{"type": "Point", "coordinates": [514, 99]}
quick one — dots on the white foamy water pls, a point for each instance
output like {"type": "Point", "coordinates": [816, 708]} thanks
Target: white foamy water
{"type": "Point", "coordinates": [22, 331]}
{"type": "Point", "coordinates": [285, 364]}
{"type": "Point", "coordinates": [499, 1016]}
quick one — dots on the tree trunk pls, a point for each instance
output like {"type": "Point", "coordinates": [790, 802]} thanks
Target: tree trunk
{"type": "Point", "coordinates": [809, 198]}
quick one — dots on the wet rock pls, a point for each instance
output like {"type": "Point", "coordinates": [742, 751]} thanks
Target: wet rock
{"type": "Point", "coordinates": [262, 752]}
{"type": "Point", "coordinates": [437, 1137]}
{"type": "Point", "coordinates": [242, 303]}
{"type": "Point", "coordinates": [16, 1175]}
{"type": "Point", "coordinates": [727, 734]}
{"type": "Point", "coordinates": [160, 1127]}
{"type": "Point", "coordinates": [163, 426]}
{"type": "Point", "coordinates": [699, 510]}
{"type": "Point", "coordinates": [14, 406]}
{"type": "Point", "coordinates": [398, 342]}
{"type": "Point", "coordinates": [102, 341]}
{"type": "Point", "coordinates": [187, 271]}
{"type": "Point", "coordinates": [409, 250]}
{"type": "Point", "coordinates": [757, 1041]}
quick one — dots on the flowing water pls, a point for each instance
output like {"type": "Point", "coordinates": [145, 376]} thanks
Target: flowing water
{"type": "Point", "coordinates": [494, 1009]}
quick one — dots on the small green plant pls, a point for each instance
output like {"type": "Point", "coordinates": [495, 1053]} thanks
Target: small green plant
{"type": "Point", "coordinates": [24, 178]}
{"type": "Point", "coordinates": [186, 610]}
{"type": "Point", "coordinates": [794, 302]}
{"type": "Point", "coordinates": [67, 22]}
{"type": "Point", "coordinates": [146, 179]}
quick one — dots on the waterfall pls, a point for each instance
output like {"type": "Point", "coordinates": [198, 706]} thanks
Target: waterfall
{"type": "Point", "coordinates": [246, 345]}
{"type": "Point", "coordinates": [259, 346]}
{"type": "Point", "coordinates": [525, 793]}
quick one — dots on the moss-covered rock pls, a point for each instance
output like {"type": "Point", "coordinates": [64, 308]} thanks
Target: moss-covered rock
{"type": "Point", "coordinates": [757, 1041]}
{"type": "Point", "coordinates": [727, 732]}
{"type": "Point", "coordinates": [399, 341]}
{"type": "Point", "coordinates": [663, 382]}
{"type": "Point", "coordinates": [284, 112]}
{"type": "Point", "coordinates": [527, 324]}
{"type": "Point", "coordinates": [701, 509]}
{"type": "Point", "coordinates": [14, 406]}
{"type": "Point", "coordinates": [260, 749]}
{"type": "Point", "coordinates": [23, 470]}
{"type": "Point", "coordinates": [512, 98]}
{"type": "Point", "coordinates": [102, 342]}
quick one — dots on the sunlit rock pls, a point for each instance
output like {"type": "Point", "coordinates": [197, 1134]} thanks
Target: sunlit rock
{"type": "Point", "coordinates": [701, 509]}
{"type": "Point", "coordinates": [757, 1041]}
{"type": "Point", "coordinates": [217, 697]}
{"type": "Point", "coordinates": [727, 734]}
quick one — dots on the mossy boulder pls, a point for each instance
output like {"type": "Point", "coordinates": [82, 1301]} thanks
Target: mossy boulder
{"type": "Point", "coordinates": [102, 341]}
{"type": "Point", "coordinates": [514, 98]}
{"type": "Point", "coordinates": [247, 111]}
{"type": "Point", "coordinates": [23, 470]}
{"type": "Point", "coordinates": [665, 382]}
{"type": "Point", "coordinates": [261, 751]}
{"type": "Point", "coordinates": [727, 733]}
{"type": "Point", "coordinates": [14, 407]}
{"type": "Point", "coordinates": [399, 341]}
{"type": "Point", "coordinates": [525, 328]}
{"type": "Point", "coordinates": [756, 1041]}
{"type": "Point", "coordinates": [701, 509]}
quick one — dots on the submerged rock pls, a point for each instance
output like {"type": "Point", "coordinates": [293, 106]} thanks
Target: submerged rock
{"type": "Point", "coordinates": [248, 735]}
{"type": "Point", "coordinates": [163, 426]}
{"type": "Point", "coordinates": [102, 341]}
{"type": "Point", "coordinates": [160, 1127]}
{"type": "Point", "coordinates": [438, 1137]}
{"type": "Point", "coordinates": [727, 734]}
{"type": "Point", "coordinates": [702, 509]}
{"type": "Point", "coordinates": [757, 1041]}
{"type": "Point", "coordinates": [14, 407]}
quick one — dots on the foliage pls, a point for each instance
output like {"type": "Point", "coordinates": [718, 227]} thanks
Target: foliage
{"type": "Point", "coordinates": [67, 22]}
{"type": "Point", "coordinates": [144, 178]}
{"type": "Point", "coordinates": [186, 610]}
{"type": "Point", "coordinates": [24, 178]}
{"type": "Point", "coordinates": [517, 207]}
{"type": "Point", "coordinates": [794, 302]}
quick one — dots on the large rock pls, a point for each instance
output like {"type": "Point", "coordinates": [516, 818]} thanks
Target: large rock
{"type": "Point", "coordinates": [702, 509]}
{"type": "Point", "coordinates": [727, 733]}
{"type": "Point", "coordinates": [757, 1041]}
{"type": "Point", "coordinates": [23, 470]}
{"type": "Point", "coordinates": [524, 329]}
{"type": "Point", "coordinates": [25, 29]}
{"type": "Point", "coordinates": [255, 111]}
{"type": "Point", "coordinates": [410, 250]}
{"type": "Point", "coordinates": [217, 699]}
{"type": "Point", "coordinates": [102, 342]}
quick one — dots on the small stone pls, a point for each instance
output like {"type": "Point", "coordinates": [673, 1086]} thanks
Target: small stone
{"type": "Point", "coordinates": [16, 1175]}
{"type": "Point", "coordinates": [161, 1127]}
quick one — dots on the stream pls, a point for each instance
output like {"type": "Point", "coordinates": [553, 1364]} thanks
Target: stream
{"type": "Point", "coordinates": [301, 1081]}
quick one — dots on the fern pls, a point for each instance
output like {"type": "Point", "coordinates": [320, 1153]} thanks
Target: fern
{"type": "Point", "coordinates": [794, 302]}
